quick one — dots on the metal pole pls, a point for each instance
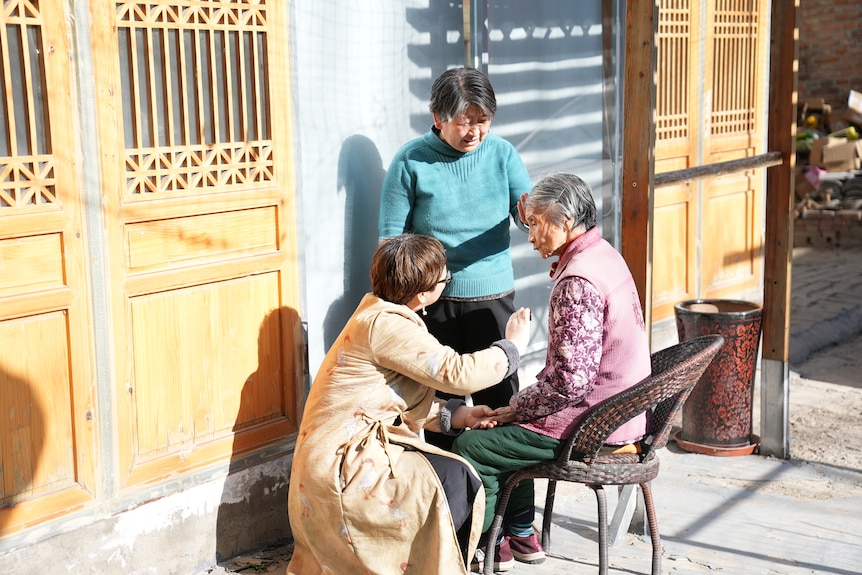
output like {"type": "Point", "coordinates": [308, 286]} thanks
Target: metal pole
{"type": "Point", "coordinates": [478, 35]}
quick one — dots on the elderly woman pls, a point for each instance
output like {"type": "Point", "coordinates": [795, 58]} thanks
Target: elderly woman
{"type": "Point", "coordinates": [367, 494]}
{"type": "Point", "coordinates": [597, 347]}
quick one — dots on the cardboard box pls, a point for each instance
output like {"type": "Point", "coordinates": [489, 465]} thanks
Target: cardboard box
{"type": "Point", "coordinates": [854, 102]}
{"type": "Point", "coordinates": [842, 157]}
{"type": "Point", "coordinates": [817, 147]}
{"type": "Point", "coordinates": [816, 114]}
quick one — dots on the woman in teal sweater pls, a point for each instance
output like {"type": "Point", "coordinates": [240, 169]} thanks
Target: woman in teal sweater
{"type": "Point", "coordinates": [460, 184]}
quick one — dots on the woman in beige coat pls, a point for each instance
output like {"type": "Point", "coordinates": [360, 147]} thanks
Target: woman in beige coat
{"type": "Point", "coordinates": [367, 494]}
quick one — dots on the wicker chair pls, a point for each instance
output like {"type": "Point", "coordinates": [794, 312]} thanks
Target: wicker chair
{"type": "Point", "coordinates": [675, 371]}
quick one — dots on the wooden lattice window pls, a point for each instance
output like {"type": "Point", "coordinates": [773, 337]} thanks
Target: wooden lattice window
{"type": "Point", "coordinates": [674, 57]}
{"type": "Point", "coordinates": [26, 164]}
{"type": "Point", "coordinates": [735, 52]}
{"type": "Point", "coordinates": [194, 87]}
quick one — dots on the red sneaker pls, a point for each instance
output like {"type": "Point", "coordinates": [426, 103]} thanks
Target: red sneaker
{"type": "Point", "coordinates": [527, 549]}
{"type": "Point", "coordinates": [503, 558]}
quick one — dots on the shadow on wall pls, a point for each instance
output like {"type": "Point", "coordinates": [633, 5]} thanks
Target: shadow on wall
{"type": "Point", "coordinates": [22, 431]}
{"type": "Point", "coordinates": [360, 176]}
{"type": "Point", "coordinates": [252, 513]}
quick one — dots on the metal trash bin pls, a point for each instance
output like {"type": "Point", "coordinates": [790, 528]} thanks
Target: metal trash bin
{"type": "Point", "coordinates": [717, 416]}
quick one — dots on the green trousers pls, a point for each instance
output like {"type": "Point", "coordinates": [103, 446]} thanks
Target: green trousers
{"type": "Point", "coordinates": [499, 452]}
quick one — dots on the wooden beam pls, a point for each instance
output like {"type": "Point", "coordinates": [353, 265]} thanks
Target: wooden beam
{"type": "Point", "coordinates": [718, 169]}
{"type": "Point", "coordinates": [638, 152]}
{"type": "Point", "coordinates": [778, 241]}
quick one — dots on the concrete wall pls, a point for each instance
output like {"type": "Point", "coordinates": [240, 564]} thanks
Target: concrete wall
{"type": "Point", "coordinates": [175, 534]}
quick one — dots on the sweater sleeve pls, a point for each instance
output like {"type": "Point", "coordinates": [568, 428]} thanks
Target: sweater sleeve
{"type": "Point", "coordinates": [519, 183]}
{"type": "Point", "coordinates": [396, 200]}
{"type": "Point", "coordinates": [575, 350]}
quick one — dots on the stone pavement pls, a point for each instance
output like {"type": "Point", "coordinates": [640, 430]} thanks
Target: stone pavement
{"type": "Point", "coordinates": [826, 299]}
{"type": "Point", "coordinates": [747, 515]}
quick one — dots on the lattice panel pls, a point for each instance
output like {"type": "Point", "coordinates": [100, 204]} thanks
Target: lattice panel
{"type": "Point", "coordinates": [734, 73]}
{"type": "Point", "coordinates": [674, 55]}
{"type": "Point", "coordinates": [27, 182]}
{"type": "Point", "coordinates": [26, 164]}
{"type": "Point", "coordinates": [224, 166]}
{"type": "Point", "coordinates": [195, 96]}
{"type": "Point", "coordinates": [206, 14]}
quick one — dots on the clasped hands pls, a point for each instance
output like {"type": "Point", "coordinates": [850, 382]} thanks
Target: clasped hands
{"type": "Point", "coordinates": [481, 417]}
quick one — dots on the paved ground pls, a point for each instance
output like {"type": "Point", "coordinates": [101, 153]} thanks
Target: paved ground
{"type": "Point", "coordinates": [826, 299]}
{"type": "Point", "coordinates": [748, 515]}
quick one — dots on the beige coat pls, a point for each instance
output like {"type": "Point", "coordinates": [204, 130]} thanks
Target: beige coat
{"type": "Point", "coordinates": [359, 502]}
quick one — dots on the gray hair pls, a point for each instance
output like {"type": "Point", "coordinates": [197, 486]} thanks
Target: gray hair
{"type": "Point", "coordinates": [455, 90]}
{"type": "Point", "coordinates": [561, 197]}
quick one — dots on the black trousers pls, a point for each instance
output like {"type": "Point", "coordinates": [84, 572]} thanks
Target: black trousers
{"type": "Point", "coordinates": [468, 326]}
{"type": "Point", "coordinates": [461, 487]}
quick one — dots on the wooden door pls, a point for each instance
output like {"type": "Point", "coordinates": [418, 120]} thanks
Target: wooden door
{"type": "Point", "coordinates": [198, 202]}
{"type": "Point", "coordinates": [710, 107]}
{"type": "Point", "coordinates": [47, 404]}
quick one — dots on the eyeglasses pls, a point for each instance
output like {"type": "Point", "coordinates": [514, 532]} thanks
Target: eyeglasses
{"type": "Point", "coordinates": [447, 279]}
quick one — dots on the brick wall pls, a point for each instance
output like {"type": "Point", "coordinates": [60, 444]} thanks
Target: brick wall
{"type": "Point", "coordinates": [828, 229]}
{"type": "Point", "coordinates": [830, 50]}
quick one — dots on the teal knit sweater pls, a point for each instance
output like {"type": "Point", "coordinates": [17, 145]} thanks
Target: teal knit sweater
{"type": "Point", "coordinates": [464, 200]}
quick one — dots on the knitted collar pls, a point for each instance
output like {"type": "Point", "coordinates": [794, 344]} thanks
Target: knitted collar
{"type": "Point", "coordinates": [438, 144]}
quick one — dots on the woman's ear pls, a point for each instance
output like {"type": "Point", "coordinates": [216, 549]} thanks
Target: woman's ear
{"type": "Point", "coordinates": [437, 122]}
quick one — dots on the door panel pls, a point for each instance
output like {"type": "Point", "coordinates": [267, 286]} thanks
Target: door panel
{"type": "Point", "coordinates": [47, 420]}
{"type": "Point", "coordinates": [731, 221]}
{"type": "Point", "coordinates": [675, 233]}
{"type": "Point", "coordinates": [734, 79]}
{"type": "Point", "coordinates": [199, 209]}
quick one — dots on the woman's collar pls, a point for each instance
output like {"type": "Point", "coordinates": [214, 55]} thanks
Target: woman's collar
{"type": "Point", "coordinates": [575, 246]}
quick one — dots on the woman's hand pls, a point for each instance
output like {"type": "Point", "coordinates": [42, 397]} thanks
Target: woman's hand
{"type": "Point", "coordinates": [476, 417]}
{"type": "Point", "coordinates": [503, 415]}
{"type": "Point", "coordinates": [522, 212]}
{"type": "Point", "coordinates": [518, 328]}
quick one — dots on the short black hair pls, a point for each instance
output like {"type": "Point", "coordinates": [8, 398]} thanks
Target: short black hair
{"type": "Point", "coordinates": [457, 89]}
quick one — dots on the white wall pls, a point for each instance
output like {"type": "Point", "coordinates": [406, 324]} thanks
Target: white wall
{"type": "Point", "coordinates": [358, 83]}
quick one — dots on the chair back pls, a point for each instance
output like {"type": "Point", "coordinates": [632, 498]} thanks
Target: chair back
{"type": "Point", "coordinates": [675, 372]}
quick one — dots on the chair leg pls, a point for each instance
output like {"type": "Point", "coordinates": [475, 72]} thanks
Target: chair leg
{"type": "Point", "coordinates": [653, 529]}
{"type": "Point", "coordinates": [548, 514]}
{"type": "Point", "coordinates": [488, 566]}
{"type": "Point", "coordinates": [496, 524]}
{"type": "Point", "coordinates": [601, 499]}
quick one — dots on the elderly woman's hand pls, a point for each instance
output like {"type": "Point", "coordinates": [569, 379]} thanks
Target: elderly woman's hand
{"type": "Point", "coordinates": [522, 211]}
{"type": "Point", "coordinates": [476, 417]}
{"type": "Point", "coordinates": [518, 328]}
{"type": "Point", "coordinates": [503, 415]}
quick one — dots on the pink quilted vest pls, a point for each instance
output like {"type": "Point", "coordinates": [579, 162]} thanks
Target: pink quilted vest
{"type": "Point", "coordinates": [625, 349]}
